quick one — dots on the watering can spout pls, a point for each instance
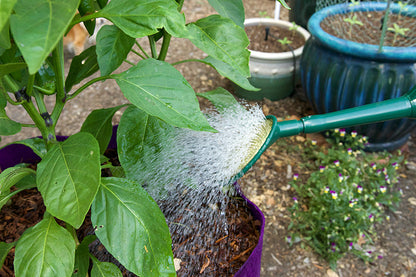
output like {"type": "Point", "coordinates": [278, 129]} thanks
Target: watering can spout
{"type": "Point", "coordinates": [401, 107]}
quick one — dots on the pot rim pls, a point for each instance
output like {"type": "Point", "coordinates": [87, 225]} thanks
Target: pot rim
{"type": "Point", "coordinates": [363, 50]}
{"type": "Point", "coordinates": [275, 22]}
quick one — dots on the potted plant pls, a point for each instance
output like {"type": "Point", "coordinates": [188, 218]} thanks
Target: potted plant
{"type": "Point", "coordinates": [69, 174]}
{"type": "Point", "coordinates": [276, 47]}
{"type": "Point", "coordinates": [343, 66]}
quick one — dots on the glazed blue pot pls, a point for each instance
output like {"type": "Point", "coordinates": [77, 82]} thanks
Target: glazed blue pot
{"type": "Point", "coordinates": [337, 74]}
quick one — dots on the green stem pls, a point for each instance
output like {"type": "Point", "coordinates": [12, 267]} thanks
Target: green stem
{"type": "Point", "coordinates": [87, 84]}
{"type": "Point", "coordinates": [185, 61]}
{"type": "Point", "coordinates": [138, 54]}
{"type": "Point", "coordinates": [39, 102]}
{"type": "Point", "coordinates": [30, 84]}
{"type": "Point", "coordinates": [165, 46]}
{"type": "Point", "coordinates": [84, 18]}
{"type": "Point", "coordinates": [60, 97]}
{"type": "Point", "coordinates": [384, 29]}
{"type": "Point", "coordinates": [129, 62]}
{"type": "Point", "coordinates": [141, 48]}
{"type": "Point", "coordinates": [72, 231]}
{"type": "Point", "coordinates": [10, 100]}
{"type": "Point", "coordinates": [152, 44]}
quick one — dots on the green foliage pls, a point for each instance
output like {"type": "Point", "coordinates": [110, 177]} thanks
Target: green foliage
{"type": "Point", "coordinates": [128, 221]}
{"type": "Point", "coordinates": [348, 191]}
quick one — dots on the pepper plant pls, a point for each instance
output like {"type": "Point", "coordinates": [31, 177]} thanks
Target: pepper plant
{"type": "Point", "coordinates": [125, 218]}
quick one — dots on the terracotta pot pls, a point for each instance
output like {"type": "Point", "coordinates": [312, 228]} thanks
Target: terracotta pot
{"type": "Point", "coordinates": [16, 153]}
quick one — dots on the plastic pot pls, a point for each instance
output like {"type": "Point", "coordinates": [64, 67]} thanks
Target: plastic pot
{"type": "Point", "coordinates": [337, 74]}
{"type": "Point", "coordinates": [273, 73]}
{"type": "Point", "coordinates": [16, 153]}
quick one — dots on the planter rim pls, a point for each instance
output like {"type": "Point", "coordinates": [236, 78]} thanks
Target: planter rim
{"type": "Point", "coordinates": [363, 50]}
{"type": "Point", "coordinates": [275, 22]}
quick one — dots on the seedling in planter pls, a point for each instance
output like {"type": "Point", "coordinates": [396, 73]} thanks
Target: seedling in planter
{"type": "Point", "coordinates": [397, 30]}
{"type": "Point", "coordinates": [284, 41]}
{"type": "Point", "coordinates": [294, 28]}
{"type": "Point", "coordinates": [403, 7]}
{"type": "Point", "coordinates": [352, 20]}
{"type": "Point", "coordinates": [68, 175]}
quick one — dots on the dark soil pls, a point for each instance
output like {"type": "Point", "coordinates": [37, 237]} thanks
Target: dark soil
{"type": "Point", "coordinates": [268, 39]}
{"type": "Point", "coordinates": [371, 29]}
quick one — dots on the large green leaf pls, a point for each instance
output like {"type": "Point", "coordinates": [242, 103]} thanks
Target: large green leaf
{"type": "Point", "coordinates": [105, 269]}
{"type": "Point", "coordinates": [132, 228]}
{"type": "Point", "coordinates": [144, 17]}
{"type": "Point", "coordinates": [229, 72]}
{"type": "Point", "coordinates": [6, 7]}
{"type": "Point", "coordinates": [38, 25]}
{"type": "Point", "coordinates": [8, 127]}
{"type": "Point", "coordinates": [4, 250]}
{"type": "Point", "coordinates": [46, 249]}
{"type": "Point", "coordinates": [82, 66]}
{"type": "Point", "coordinates": [139, 136]}
{"type": "Point", "coordinates": [36, 144]}
{"type": "Point", "coordinates": [99, 124]}
{"type": "Point", "coordinates": [113, 45]}
{"type": "Point", "coordinates": [159, 89]}
{"type": "Point", "coordinates": [223, 40]}
{"type": "Point", "coordinates": [233, 9]}
{"type": "Point", "coordinates": [68, 177]}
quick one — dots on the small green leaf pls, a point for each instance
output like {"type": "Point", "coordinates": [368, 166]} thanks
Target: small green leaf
{"type": "Point", "coordinates": [160, 90]}
{"type": "Point", "coordinates": [220, 98]}
{"type": "Point", "coordinates": [99, 124]}
{"type": "Point", "coordinates": [4, 250]}
{"type": "Point", "coordinates": [130, 224]}
{"type": "Point", "coordinates": [6, 8]}
{"type": "Point", "coordinates": [10, 176]}
{"type": "Point", "coordinates": [82, 257]}
{"type": "Point", "coordinates": [229, 72]}
{"type": "Point", "coordinates": [8, 127]}
{"type": "Point", "coordinates": [233, 9]}
{"type": "Point", "coordinates": [10, 67]}
{"type": "Point", "coordinates": [68, 177]}
{"type": "Point", "coordinates": [36, 144]}
{"type": "Point", "coordinates": [46, 249]}
{"type": "Point", "coordinates": [51, 19]}
{"type": "Point", "coordinates": [82, 66]}
{"type": "Point", "coordinates": [5, 38]}
{"type": "Point", "coordinates": [113, 45]}
{"type": "Point", "coordinates": [105, 269]}
{"type": "Point", "coordinates": [223, 40]}
{"type": "Point", "coordinates": [143, 17]}
{"type": "Point", "coordinates": [139, 136]}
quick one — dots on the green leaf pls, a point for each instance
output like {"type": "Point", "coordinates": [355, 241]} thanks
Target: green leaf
{"type": "Point", "coordinates": [233, 9]}
{"type": "Point", "coordinates": [4, 250]}
{"type": "Point", "coordinates": [5, 38]}
{"type": "Point", "coordinates": [10, 67]}
{"type": "Point", "coordinates": [46, 249]}
{"type": "Point", "coordinates": [130, 224]}
{"type": "Point", "coordinates": [142, 18]}
{"type": "Point", "coordinates": [139, 136]}
{"type": "Point", "coordinates": [10, 176]}
{"type": "Point", "coordinates": [113, 45]}
{"type": "Point", "coordinates": [82, 66]}
{"type": "Point", "coordinates": [8, 127]}
{"type": "Point", "coordinates": [36, 144]}
{"type": "Point", "coordinates": [160, 90]}
{"type": "Point", "coordinates": [220, 98]}
{"type": "Point", "coordinates": [220, 38]}
{"type": "Point", "coordinates": [105, 269]}
{"type": "Point", "coordinates": [6, 7]}
{"type": "Point", "coordinates": [68, 177]}
{"type": "Point", "coordinates": [229, 72]}
{"type": "Point", "coordinates": [99, 124]}
{"type": "Point", "coordinates": [82, 257]}
{"type": "Point", "coordinates": [51, 20]}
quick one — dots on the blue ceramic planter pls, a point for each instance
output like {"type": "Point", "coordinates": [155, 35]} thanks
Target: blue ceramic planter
{"type": "Point", "coordinates": [338, 74]}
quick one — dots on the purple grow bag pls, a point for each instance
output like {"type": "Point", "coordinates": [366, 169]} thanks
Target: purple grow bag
{"type": "Point", "coordinates": [17, 153]}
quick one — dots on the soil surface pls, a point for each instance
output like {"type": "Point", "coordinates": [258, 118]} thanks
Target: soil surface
{"type": "Point", "coordinates": [267, 183]}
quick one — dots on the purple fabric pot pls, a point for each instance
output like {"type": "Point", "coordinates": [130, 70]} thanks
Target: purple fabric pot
{"type": "Point", "coordinates": [17, 153]}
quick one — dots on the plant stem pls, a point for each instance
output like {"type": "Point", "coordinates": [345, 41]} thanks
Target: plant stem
{"type": "Point", "coordinates": [138, 54]}
{"type": "Point", "coordinates": [152, 44]}
{"type": "Point", "coordinates": [73, 233]}
{"type": "Point", "coordinates": [30, 83]}
{"type": "Point", "coordinates": [129, 62]}
{"type": "Point", "coordinates": [141, 48]}
{"type": "Point", "coordinates": [384, 29]}
{"type": "Point", "coordinates": [165, 46]}
{"type": "Point", "coordinates": [84, 18]}
{"type": "Point", "coordinates": [60, 98]}
{"type": "Point", "coordinates": [10, 100]}
{"type": "Point", "coordinates": [39, 102]}
{"type": "Point", "coordinates": [87, 84]}
{"type": "Point", "coordinates": [185, 61]}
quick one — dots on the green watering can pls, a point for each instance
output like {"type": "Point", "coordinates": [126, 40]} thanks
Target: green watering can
{"type": "Point", "coordinates": [404, 106]}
